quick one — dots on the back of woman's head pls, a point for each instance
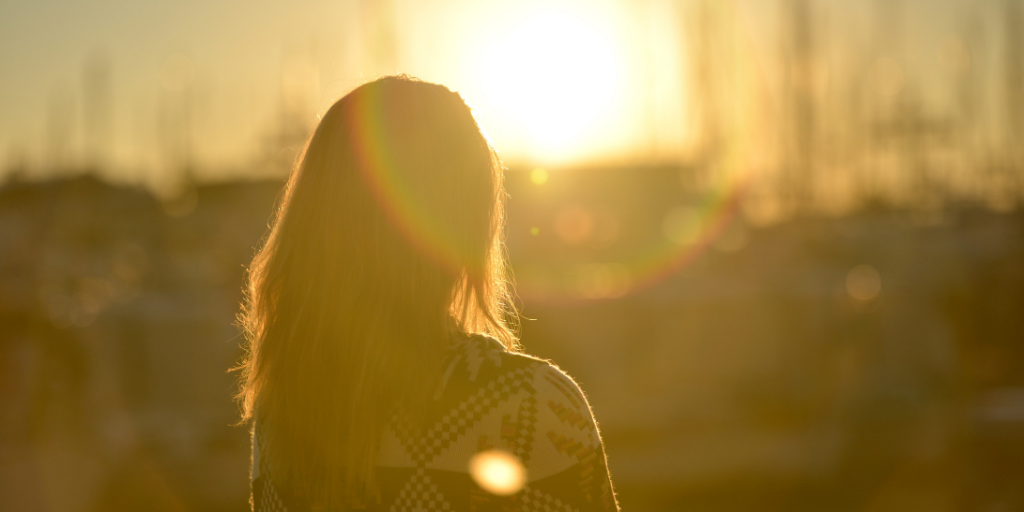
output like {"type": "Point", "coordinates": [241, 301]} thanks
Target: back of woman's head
{"type": "Point", "coordinates": [387, 242]}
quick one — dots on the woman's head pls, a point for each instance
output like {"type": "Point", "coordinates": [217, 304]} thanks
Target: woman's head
{"type": "Point", "coordinates": [388, 238]}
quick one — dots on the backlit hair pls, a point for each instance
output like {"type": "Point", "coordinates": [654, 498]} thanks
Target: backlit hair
{"type": "Point", "coordinates": [388, 241]}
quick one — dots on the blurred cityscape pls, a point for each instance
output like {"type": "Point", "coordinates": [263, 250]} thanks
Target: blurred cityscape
{"type": "Point", "coordinates": [799, 287]}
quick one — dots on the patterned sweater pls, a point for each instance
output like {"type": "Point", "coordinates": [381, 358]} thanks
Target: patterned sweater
{"type": "Point", "coordinates": [489, 399]}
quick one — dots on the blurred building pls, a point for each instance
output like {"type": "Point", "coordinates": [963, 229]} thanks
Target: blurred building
{"type": "Point", "coordinates": [873, 359]}
{"type": "Point", "coordinates": [116, 343]}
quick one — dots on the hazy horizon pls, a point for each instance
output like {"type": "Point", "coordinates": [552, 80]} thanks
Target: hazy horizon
{"type": "Point", "coordinates": [226, 89]}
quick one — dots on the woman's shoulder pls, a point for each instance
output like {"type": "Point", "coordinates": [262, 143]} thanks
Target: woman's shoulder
{"type": "Point", "coordinates": [485, 361]}
{"type": "Point", "coordinates": [483, 355]}
{"type": "Point", "coordinates": [548, 424]}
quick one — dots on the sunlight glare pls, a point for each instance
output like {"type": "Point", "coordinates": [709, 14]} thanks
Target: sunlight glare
{"type": "Point", "coordinates": [555, 76]}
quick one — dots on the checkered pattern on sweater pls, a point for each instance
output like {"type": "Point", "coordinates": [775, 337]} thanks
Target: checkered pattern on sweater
{"type": "Point", "coordinates": [489, 399]}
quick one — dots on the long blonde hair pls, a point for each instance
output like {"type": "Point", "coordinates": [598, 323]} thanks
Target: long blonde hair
{"type": "Point", "coordinates": [388, 241]}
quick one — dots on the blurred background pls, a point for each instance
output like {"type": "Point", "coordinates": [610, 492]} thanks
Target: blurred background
{"type": "Point", "coordinates": [779, 243]}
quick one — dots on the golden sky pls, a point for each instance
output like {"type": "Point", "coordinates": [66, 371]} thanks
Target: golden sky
{"type": "Point", "coordinates": [553, 82]}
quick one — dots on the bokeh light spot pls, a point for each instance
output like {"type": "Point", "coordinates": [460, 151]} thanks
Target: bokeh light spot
{"type": "Point", "coordinates": [539, 176]}
{"type": "Point", "coordinates": [733, 238]}
{"type": "Point", "coordinates": [601, 281]}
{"type": "Point", "coordinates": [498, 472]}
{"type": "Point", "coordinates": [863, 283]}
{"type": "Point", "coordinates": [535, 231]}
{"type": "Point", "coordinates": [574, 225]}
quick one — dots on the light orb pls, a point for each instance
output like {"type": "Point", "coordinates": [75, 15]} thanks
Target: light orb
{"type": "Point", "coordinates": [498, 472]}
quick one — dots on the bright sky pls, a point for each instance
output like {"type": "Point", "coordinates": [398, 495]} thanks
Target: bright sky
{"type": "Point", "coordinates": [552, 81]}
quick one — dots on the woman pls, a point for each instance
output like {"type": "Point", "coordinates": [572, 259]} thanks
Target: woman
{"type": "Point", "coordinates": [382, 354]}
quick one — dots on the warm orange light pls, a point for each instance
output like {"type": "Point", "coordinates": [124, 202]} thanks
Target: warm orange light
{"type": "Point", "coordinates": [574, 224]}
{"type": "Point", "coordinates": [553, 78]}
{"type": "Point", "coordinates": [539, 176]}
{"type": "Point", "coordinates": [498, 472]}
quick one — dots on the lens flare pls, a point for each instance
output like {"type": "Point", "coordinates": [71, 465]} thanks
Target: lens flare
{"type": "Point", "coordinates": [681, 225]}
{"type": "Point", "coordinates": [527, 80]}
{"type": "Point", "coordinates": [392, 192]}
{"type": "Point", "coordinates": [687, 233]}
{"type": "Point", "coordinates": [498, 472]}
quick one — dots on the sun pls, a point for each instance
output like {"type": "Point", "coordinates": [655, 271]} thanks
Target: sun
{"type": "Point", "coordinates": [553, 81]}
